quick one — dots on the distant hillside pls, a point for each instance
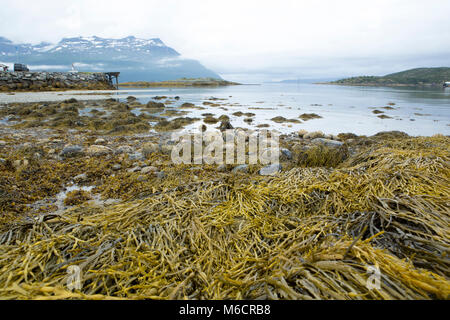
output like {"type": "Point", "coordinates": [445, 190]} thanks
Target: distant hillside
{"type": "Point", "coordinates": [136, 59]}
{"type": "Point", "coordinates": [413, 77]}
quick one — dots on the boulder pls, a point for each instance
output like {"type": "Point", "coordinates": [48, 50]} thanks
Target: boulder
{"type": "Point", "coordinates": [124, 149]}
{"type": "Point", "coordinates": [97, 150]}
{"type": "Point", "coordinates": [286, 153]}
{"type": "Point", "coordinates": [136, 156]}
{"type": "Point", "coordinates": [271, 170]}
{"type": "Point", "coordinates": [149, 148]}
{"type": "Point", "coordinates": [225, 125]}
{"type": "Point", "coordinates": [327, 142]}
{"type": "Point", "coordinates": [314, 135]}
{"type": "Point", "coordinates": [71, 151]}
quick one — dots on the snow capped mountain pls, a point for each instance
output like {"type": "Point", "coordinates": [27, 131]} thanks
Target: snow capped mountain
{"type": "Point", "coordinates": [136, 59]}
{"type": "Point", "coordinates": [98, 45]}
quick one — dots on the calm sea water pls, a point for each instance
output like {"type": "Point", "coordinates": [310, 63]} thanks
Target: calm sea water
{"type": "Point", "coordinates": [417, 111]}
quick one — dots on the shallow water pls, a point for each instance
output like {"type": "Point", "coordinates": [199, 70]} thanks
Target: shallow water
{"type": "Point", "coordinates": [417, 111]}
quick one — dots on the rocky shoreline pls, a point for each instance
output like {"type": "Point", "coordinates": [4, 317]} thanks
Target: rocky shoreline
{"type": "Point", "coordinates": [180, 83]}
{"type": "Point", "coordinates": [53, 81]}
{"type": "Point", "coordinates": [92, 183]}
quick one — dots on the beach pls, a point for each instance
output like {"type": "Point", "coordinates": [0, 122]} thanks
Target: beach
{"type": "Point", "coordinates": [88, 180]}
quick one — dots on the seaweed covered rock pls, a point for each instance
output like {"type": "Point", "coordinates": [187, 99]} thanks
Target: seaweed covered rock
{"type": "Point", "coordinates": [77, 197]}
{"type": "Point", "coordinates": [98, 150]}
{"type": "Point", "coordinates": [155, 105]}
{"type": "Point", "coordinates": [72, 151]}
{"type": "Point", "coordinates": [327, 142]}
{"type": "Point", "coordinates": [271, 170]}
{"type": "Point", "coordinates": [225, 125]}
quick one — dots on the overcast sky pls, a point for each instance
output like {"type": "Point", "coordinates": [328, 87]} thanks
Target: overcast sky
{"type": "Point", "coordinates": [255, 39]}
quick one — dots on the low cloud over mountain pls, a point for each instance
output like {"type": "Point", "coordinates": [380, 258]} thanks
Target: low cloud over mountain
{"type": "Point", "coordinates": [136, 59]}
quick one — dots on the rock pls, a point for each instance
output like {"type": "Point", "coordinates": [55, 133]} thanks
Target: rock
{"type": "Point", "coordinates": [135, 169]}
{"type": "Point", "coordinates": [270, 170]}
{"type": "Point", "coordinates": [314, 135]}
{"type": "Point", "coordinates": [149, 169]}
{"type": "Point", "coordinates": [243, 168]}
{"type": "Point", "coordinates": [116, 167]}
{"type": "Point", "coordinates": [97, 150]}
{"type": "Point", "coordinates": [302, 133]}
{"type": "Point", "coordinates": [17, 163]}
{"type": "Point", "coordinates": [287, 153]}
{"type": "Point", "coordinates": [149, 148]}
{"type": "Point", "coordinates": [2, 143]}
{"type": "Point", "coordinates": [124, 149]}
{"type": "Point", "coordinates": [166, 148]}
{"type": "Point", "coordinates": [222, 168]}
{"type": "Point", "coordinates": [160, 175]}
{"type": "Point", "coordinates": [80, 178]}
{"type": "Point", "coordinates": [136, 156]}
{"type": "Point", "coordinates": [327, 142]}
{"type": "Point", "coordinates": [71, 151]}
{"type": "Point", "coordinates": [155, 105]}
{"type": "Point", "coordinates": [141, 178]}
{"type": "Point", "coordinates": [225, 125]}
{"type": "Point", "coordinates": [51, 151]}
{"type": "Point", "coordinates": [100, 141]}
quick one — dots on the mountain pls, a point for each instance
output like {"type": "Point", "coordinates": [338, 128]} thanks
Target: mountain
{"type": "Point", "coordinates": [413, 77]}
{"type": "Point", "coordinates": [136, 59]}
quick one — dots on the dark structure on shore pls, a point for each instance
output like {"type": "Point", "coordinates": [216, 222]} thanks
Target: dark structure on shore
{"type": "Point", "coordinates": [112, 75]}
